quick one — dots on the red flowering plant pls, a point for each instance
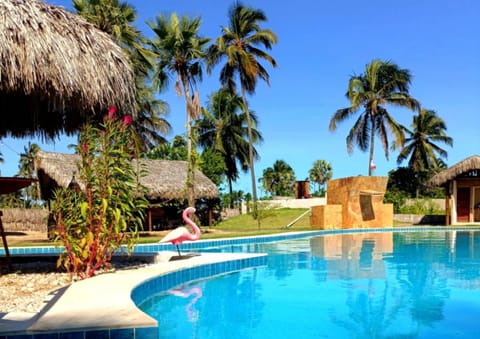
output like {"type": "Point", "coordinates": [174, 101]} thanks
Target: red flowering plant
{"type": "Point", "coordinates": [94, 222]}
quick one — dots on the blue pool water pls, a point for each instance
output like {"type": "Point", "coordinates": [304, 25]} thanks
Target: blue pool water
{"type": "Point", "coordinates": [366, 285]}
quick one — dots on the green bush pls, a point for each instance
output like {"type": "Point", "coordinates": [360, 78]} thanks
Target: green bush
{"type": "Point", "coordinates": [422, 206]}
{"type": "Point", "coordinates": [395, 197]}
{"type": "Point", "coordinates": [92, 223]}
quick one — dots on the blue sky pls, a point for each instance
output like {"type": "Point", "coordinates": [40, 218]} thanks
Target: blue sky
{"type": "Point", "coordinates": [321, 44]}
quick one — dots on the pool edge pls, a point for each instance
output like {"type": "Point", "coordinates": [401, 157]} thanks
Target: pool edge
{"type": "Point", "coordinates": [114, 308]}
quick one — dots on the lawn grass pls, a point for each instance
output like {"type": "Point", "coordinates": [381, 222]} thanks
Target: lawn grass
{"type": "Point", "coordinates": [271, 222]}
{"type": "Point", "coordinates": [276, 219]}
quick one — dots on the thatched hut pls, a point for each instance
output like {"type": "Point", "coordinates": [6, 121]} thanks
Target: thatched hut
{"type": "Point", "coordinates": [164, 181]}
{"type": "Point", "coordinates": [56, 69]}
{"type": "Point", "coordinates": [462, 188]}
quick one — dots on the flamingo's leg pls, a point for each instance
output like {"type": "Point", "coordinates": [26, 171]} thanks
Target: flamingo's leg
{"type": "Point", "coordinates": [178, 250]}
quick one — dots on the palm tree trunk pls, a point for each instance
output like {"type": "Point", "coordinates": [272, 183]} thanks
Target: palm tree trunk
{"type": "Point", "coordinates": [230, 189]}
{"type": "Point", "coordinates": [190, 160]}
{"type": "Point", "coordinates": [250, 153]}
{"type": "Point", "coordinates": [372, 146]}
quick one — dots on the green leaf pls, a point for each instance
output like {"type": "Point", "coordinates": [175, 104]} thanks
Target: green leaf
{"type": "Point", "coordinates": [104, 205]}
{"type": "Point", "coordinates": [84, 210]}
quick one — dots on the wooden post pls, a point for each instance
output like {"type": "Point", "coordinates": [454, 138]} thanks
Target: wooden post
{"type": "Point", "coordinates": [5, 245]}
{"type": "Point", "coordinates": [448, 200]}
{"type": "Point", "coordinates": [149, 220]}
{"type": "Point", "coordinates": [448, 219]}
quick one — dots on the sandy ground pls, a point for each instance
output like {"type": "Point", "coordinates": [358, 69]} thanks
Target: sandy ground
{"type": "Point", "coordinates": [14, 238]}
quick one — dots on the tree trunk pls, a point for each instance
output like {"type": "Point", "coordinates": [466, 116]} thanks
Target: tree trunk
{"type": "Point", "coordinates": [372, 138]}
{"type": "Point", "coordinates": [250, 153]}
{"type": "Point", "coordinates": [230, 188]}
{"type": "Point", "coordinates": [190, 160]}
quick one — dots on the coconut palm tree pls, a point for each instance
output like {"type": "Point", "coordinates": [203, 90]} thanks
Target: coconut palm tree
{"type": "Point", "coordinates": [428, 129]}
{"type": "Point", "coordinates": [26, 166]}
{"type": "Point", "coordinates": [111, 16]}
{"type": "Point", "coordinates": [175, 150]}
{"type": "Point", "coordinates": [116, 18]}
{"type": "Point", "coordinates": [26, 169]}
{"type": "Point", "coordinates": [421, 146]}
{"type": "Point", "coordinates": [279, 180]}
{"type": "Point", "coordinates": [181, 51]}
{"type": "Point", "coordinates": [321, 172]}
{"type": "Point", "coordinates": [224, 128]}
{"type": "Point", "coordinates": [150, 126]}
{"type": "Point", "coordinates": [382, 84]}
{"type": "Point", "coordinates": [240, 44]}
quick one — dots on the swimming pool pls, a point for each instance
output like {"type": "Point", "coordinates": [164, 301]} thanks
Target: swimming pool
{"type": "Point", "coordinates": [364, 285]}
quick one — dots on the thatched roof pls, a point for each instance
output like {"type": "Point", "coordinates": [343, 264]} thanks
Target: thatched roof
{"type": "Point", "coordinates": [55, 69]}
{"type": "Point", "coordinates": [464, 166]}
{"type": "Point", "coordinates": [165, 179]}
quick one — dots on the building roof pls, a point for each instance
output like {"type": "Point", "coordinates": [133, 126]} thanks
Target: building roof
{"type": "Point", "coordinates": [464, 166]}
{"type": "Point", "coordinates": [56, 70]}
{"type": "Point", "coordinates": [164, 179]}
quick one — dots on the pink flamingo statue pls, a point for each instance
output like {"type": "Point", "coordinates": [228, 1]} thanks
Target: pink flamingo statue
{"type": "Point", "coordinates": [180, 234]}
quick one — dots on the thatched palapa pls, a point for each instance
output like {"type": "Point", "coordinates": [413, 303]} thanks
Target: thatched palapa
{"type": "Point", "coordinates": [56, 69]}
{"type": "Point", "coordinates": [165, 179]}
{"type": "Point", "coordinates": [464, 166]}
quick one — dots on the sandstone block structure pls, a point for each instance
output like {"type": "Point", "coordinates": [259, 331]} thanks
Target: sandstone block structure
{"type": "Point", "coordinates": [354, 202]}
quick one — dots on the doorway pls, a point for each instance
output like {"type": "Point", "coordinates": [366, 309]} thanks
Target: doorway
{"type": "Point", "coordinates": [463, 204]}
{"type": "Point", "coordinates": [476, 205]}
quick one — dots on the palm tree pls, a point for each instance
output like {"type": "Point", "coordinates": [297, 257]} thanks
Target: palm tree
{"type": "Point", "coordinates": [383, 83]}
{"type": "Point", "coordinates": [111, 16]}
{"type": "Point", "coordinates": [224, 128]}
{"type": "Point", "coordinates": [12, 200]}
{"type": "Point", "coordinates": [26, 166]}
{"type": "Point", "coordinates": [421, 146]}
{"type": "Point", "coordinates": [26, 169]}
{"type": "Point", "coordinates": [149, 127]}
{"type": "Point", "coordinates": [240, 44]}
{"type": "Point", "coordinates": [181, 51]}
{"type": "Point", "coordinates": [116, 18]}
{"type": "Point", "coordinates": [279, 180]}
{"type": "Point", "coordinates": [321, 172]}
{"type": "Point", "coordinates": [176, 150]}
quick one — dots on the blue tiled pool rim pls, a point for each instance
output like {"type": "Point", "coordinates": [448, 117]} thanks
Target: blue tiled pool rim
{"type": "Point", "coordinates": [207, 244]}
{"type": "Point", "coordinates": [170, 280]}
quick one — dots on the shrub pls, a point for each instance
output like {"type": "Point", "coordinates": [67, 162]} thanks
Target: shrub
{"type": "Point", "coordinates": [395, 197]}
{"type": "Point", "coordinates": [421, 206]}
{"type": "Point", "coordinates": [94, 222]}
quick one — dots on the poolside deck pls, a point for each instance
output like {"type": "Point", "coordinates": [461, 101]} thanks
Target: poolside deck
{"type": "Point", "coordinates": [104, 302]}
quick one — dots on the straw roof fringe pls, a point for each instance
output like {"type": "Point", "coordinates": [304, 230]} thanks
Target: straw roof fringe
{"type": "Point", "coordinates": [56, 69]}
{"type": "Point", "coordinates": [165, 179]}
{"type": "Point", "coordinates": [464, 166]}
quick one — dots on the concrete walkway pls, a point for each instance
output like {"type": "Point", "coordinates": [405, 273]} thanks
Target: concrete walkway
{"type": "Point", "coordinates": [104, 301]}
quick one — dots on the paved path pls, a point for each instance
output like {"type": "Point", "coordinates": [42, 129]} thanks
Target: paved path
{"type": "Point", "coordinates": [104, 301]}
